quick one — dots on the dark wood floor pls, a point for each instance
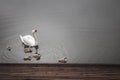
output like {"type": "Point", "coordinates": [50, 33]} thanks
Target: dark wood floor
{"type": "Point", "coordinates": [59, 72]}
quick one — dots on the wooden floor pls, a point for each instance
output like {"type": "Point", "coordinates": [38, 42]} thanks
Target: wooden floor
{"type": "Point", "coordinates": [59, 72]}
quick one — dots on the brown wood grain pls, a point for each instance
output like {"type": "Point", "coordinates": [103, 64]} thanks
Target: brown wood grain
{"type": "Point", "coordinates": [59, 72]}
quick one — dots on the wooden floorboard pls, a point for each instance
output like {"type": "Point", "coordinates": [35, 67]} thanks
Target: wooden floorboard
{"type": "Point", "coordinates": [59, 72]}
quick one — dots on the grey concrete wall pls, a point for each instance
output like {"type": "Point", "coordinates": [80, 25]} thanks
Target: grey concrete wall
{"type": "Point", "coordinates": [86, 31]}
